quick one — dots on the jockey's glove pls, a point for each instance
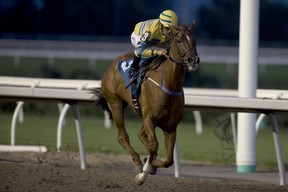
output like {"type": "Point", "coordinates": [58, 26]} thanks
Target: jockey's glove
{"type": "Point", "coordinates": [161, 52]}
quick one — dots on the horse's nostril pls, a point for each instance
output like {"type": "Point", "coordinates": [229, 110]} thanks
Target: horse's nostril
{"type": "Point", "coordinates": [190, 60]}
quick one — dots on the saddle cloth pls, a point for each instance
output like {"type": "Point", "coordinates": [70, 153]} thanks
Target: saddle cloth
{"type": "Point", "coordinates": [124, 68]}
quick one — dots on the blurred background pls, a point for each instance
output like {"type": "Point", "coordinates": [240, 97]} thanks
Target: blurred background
{"type": "Point", "coordinates": [72, 39]}
{"type": "Point", "coordinates": [114, 20]}
{"type": "Point", "coordinates": [39, 37]}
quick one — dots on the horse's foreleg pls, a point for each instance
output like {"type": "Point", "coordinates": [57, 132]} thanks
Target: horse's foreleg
{"type": "Point", "coordinates": [150, 139]}
{"type": "Point", "coordinates": [169, 140]}
{"type": "Point", "coordinates": [142, 136]}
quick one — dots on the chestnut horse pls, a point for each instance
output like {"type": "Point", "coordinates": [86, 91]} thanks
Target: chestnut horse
{"type": "Point", "coordinates": [161, 99]}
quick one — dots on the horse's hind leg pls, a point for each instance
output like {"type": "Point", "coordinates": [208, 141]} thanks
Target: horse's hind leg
{"type": "Point", "coordinates": [142, 136]}
{"type": "Point", "coordinates": [123, 137]}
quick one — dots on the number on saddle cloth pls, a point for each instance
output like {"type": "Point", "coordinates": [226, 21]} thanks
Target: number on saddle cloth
{"type": "Point", "coordinates": [124, 68]}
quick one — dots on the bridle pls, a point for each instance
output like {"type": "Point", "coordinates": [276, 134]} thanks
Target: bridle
{"type": "Point", "coordinates": [185, 60]}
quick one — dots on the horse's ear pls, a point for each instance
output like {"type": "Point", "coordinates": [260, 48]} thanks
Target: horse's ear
{"type": "Point", "coordinates": [192, 26]}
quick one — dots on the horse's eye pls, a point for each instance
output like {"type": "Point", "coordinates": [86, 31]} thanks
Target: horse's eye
{"type": "Point", "coordinates": [179, 41]}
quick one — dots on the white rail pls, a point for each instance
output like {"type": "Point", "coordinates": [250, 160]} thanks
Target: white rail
{"type": "Point", "coordinates": [70, 92]}
{"type": "Point", "coordinates": [73, 92]}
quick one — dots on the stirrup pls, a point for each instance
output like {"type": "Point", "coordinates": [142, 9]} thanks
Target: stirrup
{"type": "Point", "coordinates": [136, 106]}
{"type": "Point", "coordinates": [132, 73]}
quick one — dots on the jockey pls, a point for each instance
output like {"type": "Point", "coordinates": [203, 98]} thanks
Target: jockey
{"type": "Point", "coordinates": [151, 33]}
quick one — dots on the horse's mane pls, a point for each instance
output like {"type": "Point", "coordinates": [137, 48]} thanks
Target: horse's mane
{"type": "Point", "coordinates": [157, 60]}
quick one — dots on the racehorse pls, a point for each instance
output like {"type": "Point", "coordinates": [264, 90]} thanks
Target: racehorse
{"type": "Point", "coordinates": [161, 99]}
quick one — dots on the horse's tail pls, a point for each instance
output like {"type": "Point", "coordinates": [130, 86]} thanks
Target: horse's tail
{"type": "Point", "coordinates": [100, 100]}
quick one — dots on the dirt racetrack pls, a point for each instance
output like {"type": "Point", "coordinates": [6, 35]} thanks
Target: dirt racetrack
{"type": "Point", "coordinates": [54, 171]}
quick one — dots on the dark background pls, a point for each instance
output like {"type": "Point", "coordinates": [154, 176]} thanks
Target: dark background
{"type": "Point", "coordinates": [114, 20]}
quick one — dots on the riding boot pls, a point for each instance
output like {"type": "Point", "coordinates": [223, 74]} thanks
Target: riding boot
{"type": "Point", "coordinates": [135, 66]}
{"type": "Point", "coordinates": [134, 70]}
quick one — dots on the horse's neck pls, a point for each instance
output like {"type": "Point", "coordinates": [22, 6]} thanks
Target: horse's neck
{"type": "Point", "coordinates": [173, 76]}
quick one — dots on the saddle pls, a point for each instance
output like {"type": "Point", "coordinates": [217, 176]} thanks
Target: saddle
{"type": "Point", "coordinates": [124, 68]}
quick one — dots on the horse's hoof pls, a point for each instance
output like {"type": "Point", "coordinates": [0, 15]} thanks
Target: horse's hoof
{"type": "Point", "coordinates": [153, 171]}
{"type": "Point", "coordinates": [140, 178]}
{"type": "Point", "coordinates": [138, 169]}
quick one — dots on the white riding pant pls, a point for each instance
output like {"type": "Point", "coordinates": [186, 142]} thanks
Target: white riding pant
{"type": "Point", "coordinates": [134, 39]}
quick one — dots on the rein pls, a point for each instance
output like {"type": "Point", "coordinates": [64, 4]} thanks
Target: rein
{"type": "Point", "coordinates": [178, 62]}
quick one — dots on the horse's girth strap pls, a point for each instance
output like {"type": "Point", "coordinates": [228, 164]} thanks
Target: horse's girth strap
{"type": "Point", "coordinates": [172, 93]}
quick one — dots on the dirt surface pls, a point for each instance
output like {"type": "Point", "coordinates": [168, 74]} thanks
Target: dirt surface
{"type": "Point", "coordinates": [53, 171]}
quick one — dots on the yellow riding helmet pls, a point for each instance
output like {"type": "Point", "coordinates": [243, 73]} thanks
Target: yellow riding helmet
{"type": "Point", "coordinates": [168, 18]}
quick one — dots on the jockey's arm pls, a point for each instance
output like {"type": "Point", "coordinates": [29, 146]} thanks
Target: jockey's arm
{"type": "Point", "coordinates": [142, 52]}
{"type": "Point", "coordinates": [142, 49]}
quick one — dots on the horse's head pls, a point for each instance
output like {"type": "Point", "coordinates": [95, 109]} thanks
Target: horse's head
{"type": "Point", "coordinates": [183, 46]}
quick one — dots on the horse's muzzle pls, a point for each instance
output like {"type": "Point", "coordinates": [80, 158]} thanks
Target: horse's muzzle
{"type": "Point", "coordinates": [192, 63]}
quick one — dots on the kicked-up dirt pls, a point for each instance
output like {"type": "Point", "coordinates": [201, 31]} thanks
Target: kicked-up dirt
{"type": "Point", "coordinates": [60, 171]}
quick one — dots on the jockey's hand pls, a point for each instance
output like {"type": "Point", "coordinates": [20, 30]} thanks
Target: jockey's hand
{"type": "Point", "coordinates": [161, 52]}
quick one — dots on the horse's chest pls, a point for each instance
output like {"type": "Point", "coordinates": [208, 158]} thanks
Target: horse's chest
{"type": "Point", "coordinates": [169, 116]}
